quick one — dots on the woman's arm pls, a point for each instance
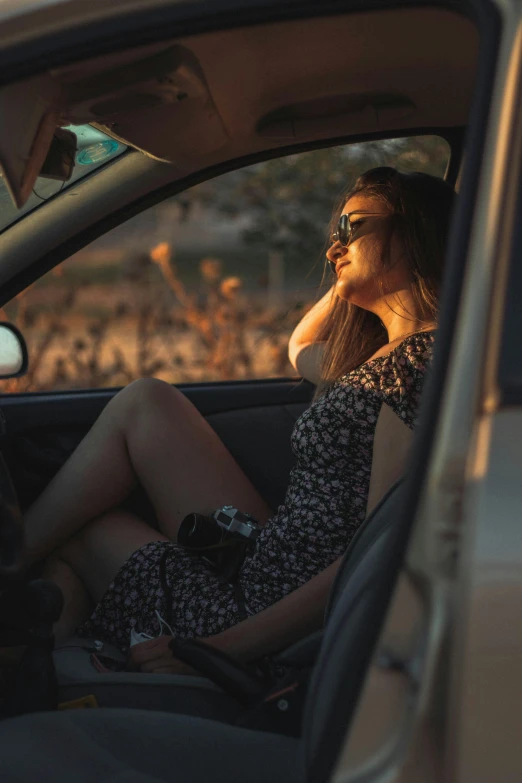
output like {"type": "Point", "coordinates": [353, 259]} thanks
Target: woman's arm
{"type": "Point", "coordinates": [293, 617]}
{"type": "Point", "coordinates": [304, 350]}
{"type": "Point", "coordinates": [287, 621]}
{"type": "Point", "coordinates": [392, 437]}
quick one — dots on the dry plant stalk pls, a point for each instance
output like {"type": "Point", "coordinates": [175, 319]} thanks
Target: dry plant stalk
{"type": "Point", "coordinates": [219, 333]}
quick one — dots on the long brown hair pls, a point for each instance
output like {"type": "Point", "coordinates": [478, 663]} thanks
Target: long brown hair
{"type": "Point", "coordinates": [420, 209]}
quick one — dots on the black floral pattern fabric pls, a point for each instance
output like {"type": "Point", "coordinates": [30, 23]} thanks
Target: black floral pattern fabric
{"type": "Point", "coordinates": [324, 506]}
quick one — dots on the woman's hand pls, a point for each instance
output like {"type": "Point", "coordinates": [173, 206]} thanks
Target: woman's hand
{"type": "Point", "coordinates": [155, 657]}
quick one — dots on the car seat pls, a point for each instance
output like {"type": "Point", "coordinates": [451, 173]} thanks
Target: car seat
{"type": "Point", "coordinates": [146, 746]}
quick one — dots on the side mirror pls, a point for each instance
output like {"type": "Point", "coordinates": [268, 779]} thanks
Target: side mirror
{"type": "Point", "coordinates": [13, 352]}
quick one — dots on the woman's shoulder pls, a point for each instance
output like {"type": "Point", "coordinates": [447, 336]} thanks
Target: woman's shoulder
{"type": "Point", "coordinates": [415, 350]}
{"type": "Point", "coordinates": [400, 369]}
{"type": "Point", "coordinates": [401, 374]}
{"type": "Point", "coordinates": [411, 357]}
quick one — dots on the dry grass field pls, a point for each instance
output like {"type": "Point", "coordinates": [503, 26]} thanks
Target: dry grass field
{"type": "Point", "coordinates": [148, 323]}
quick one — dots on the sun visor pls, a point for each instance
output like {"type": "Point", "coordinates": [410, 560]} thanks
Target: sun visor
{"type": "Point", "coordinates": [160, 104]}
{"type": "Point", "coordinates": [154, 99]}
{"type": "Point", "coordinates": [30, 114]}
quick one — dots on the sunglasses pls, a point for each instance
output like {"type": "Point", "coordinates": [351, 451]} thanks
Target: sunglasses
{"type": "Point", "coordinates": [345, 228]}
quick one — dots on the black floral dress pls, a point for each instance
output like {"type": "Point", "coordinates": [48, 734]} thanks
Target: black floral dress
{"type": "Point", "coordinates": [324, 505]}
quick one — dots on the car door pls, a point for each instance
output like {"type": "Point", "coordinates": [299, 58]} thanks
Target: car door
{"type": "Point", "coordinates": [254, 422]}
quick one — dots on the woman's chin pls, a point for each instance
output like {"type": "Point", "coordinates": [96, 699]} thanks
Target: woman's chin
{"type": "Point", "coordinates": [343, 289]}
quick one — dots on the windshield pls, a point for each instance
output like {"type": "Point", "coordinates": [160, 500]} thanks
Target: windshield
{"type": "Point", "coordinates": [95, 149]}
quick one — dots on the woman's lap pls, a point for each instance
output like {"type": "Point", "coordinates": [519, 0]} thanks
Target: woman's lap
{"type": "Point", "coordinates": [187, 595]}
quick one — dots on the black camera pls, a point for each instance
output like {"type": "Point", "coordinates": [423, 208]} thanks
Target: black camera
{"type": "Point", "coordinates": [198, 531]}
{"type": "Point", "coordinates": [223, 539]}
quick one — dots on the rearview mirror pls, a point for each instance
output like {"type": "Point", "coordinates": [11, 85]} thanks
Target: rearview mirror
{"type": "Point", "coordinates": [13, 352]}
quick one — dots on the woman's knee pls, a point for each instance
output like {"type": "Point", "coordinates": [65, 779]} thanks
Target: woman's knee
{"type": "Point", "coordinates": [118, 532]}
{"type": "Point", "coordinates": [145, 395]}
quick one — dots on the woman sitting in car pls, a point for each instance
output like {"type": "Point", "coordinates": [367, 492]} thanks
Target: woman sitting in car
{"type": "Point", "coordinates": [367, 344]}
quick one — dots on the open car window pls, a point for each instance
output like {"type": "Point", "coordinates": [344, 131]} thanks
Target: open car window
{"type": "Point", "coordinates": [205, 286]}
{"type": "Point", "coordinates": [95, 150]}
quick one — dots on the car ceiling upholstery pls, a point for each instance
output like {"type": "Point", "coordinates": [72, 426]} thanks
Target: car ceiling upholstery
{"type": "Point", "coordinates": [319, 72]}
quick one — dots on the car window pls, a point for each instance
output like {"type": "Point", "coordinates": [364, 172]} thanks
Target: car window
{"type": "Point", "coordinates": [206, 286]}
{"type": "Point", "coordinates": [94, 150]}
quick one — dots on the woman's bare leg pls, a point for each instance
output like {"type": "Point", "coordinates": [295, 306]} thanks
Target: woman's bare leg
{"type": "Point", "coordinates": [97, 552]}
{"type": "Point", "coordinates": [77, 605]}
{"type": "Point", "coordinates": [150, 433]}
{"type": "Point", "coordinates": [85, 565]}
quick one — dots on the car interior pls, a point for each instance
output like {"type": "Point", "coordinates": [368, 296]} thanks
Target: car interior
{"type": "Point", "coordinates": [183, 111]}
